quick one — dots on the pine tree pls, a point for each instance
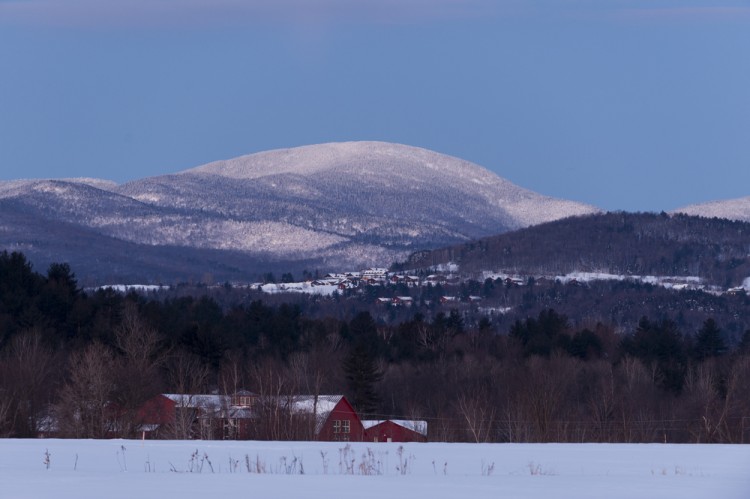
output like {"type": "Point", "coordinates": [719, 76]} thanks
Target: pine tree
{"type": "Point", "coordinates": [708, 342]}
{"type": "Point", "coordinates": [362, 375]}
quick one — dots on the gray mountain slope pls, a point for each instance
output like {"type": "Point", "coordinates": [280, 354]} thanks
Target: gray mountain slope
{"type": "Point", "coordinates": [340, 205]}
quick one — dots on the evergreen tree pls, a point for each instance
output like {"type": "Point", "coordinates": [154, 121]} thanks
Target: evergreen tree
{"type": "Point", "coordinates": [744, 346]}
{"type": "Point", "coordinates": [709, 342]}
{"type": "Point", "coordinates": [659, 344]}
{"type": "Point", "coordinates": [362, 375]}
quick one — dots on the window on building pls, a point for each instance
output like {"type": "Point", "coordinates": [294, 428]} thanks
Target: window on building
{"type": "Point", "coordinates": [342, 427]}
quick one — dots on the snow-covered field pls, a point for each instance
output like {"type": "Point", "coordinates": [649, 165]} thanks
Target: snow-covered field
{"type": "Point", "coordinates": [126, 469]}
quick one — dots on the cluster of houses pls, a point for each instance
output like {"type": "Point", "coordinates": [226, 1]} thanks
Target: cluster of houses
{"type": "Point", "coordinates": [367, 277]}
{"type": "Point", "coordinates": [245, 416]}
{"type": "Point", "coordinates": [379, 277]}
{"type": "Point", "coordinates": [334, 282]}
{"type": "Point", "coordinates": [408, 301]}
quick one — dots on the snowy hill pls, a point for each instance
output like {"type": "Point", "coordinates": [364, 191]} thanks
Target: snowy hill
{"type": "Point", "coordinates": [732, 209]}
{"type": "Point", "coordinates": [354, 195]}
{"type": "Point", "coordinates": [340, 205]}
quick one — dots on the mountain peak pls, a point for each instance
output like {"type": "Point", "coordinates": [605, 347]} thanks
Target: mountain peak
{"type": "Point", "coordinates": [403, 170]}
{"type": "Point", "coordinates": [363, 157]}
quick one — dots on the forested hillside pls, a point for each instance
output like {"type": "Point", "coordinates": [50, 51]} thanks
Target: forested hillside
{"type": "Point", "coordinates": [717, 250]}
{"type": "Point", "coordinates": [67, 355]}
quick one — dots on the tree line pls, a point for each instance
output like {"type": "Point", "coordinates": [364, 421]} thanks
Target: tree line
{"type": "Point", "coordinates": [67, 357]}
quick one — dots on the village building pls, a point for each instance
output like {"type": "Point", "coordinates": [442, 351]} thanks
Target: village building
{"type": "Point", "coordinates": [406, 301]}
{"type": "Point", "coordinates": [411, 281]}
{"type": "Point", "coordinates": [335, 420]}
{"type": "Point", "coordinates": [375, 273]}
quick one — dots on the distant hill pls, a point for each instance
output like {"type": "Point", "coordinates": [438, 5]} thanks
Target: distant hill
{"type": "Point", "coordinates": [717, 250]}
{"type": "Point", "coordinates": [732, 209]}
{"type": "Point", "coordinates": [328, 206]}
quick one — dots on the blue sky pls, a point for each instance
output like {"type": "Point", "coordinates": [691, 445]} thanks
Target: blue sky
{"type": "Point", "coordinates": [641, 105]}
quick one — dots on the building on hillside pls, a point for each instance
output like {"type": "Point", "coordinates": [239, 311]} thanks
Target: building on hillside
{"type": "Point", "coordinates": [411, 281]}
{"type": "Point", "coordinates": [405, 301]}
{"type": "Point", "coordinates": [346, 284]}
{"type": "Point", "coordinates": [375, 273]}
{"type": "Point", "coordinates": [394, 430]}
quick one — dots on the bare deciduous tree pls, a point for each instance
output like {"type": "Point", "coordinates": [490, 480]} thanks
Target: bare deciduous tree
{"type": "Point", "coordinates": [84, 409]}
{"type": "Point", "coordinates": [544, 400]}
{"type": "Point", "coordinates": [187, 376]}
{"type": "Point", "coordinates": [27, 384]}
{"type": "Point", "coordinates": [136, 368]}
{"type": "Point", "coordinates": [477, 412]}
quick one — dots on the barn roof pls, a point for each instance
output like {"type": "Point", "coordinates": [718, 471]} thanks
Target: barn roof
{"type": "Point", "coordinates": [413, 425]}
{"type": "Point", "coordinates": [212, 405]}
{"type": "Point", "coordinates": [319, 406]}
{"type": "Point", "coordinates": [199, 401]}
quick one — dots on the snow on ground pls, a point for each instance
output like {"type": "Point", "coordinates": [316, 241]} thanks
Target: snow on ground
{"type": "Point", "coordinates": [126, 288]}
{"type": "Point", "coordinates": [676, 282]}
{"type": "Point", "coordinates": [299, 287]}
{"type": "Point", "coordinates": [746, 284]}
{"type": "Point", "coordinates": [669, 282]}
{"type": "Point", "coordinates": [83, 469]}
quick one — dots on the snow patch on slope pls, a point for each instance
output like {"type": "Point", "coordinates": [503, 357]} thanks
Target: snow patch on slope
{"type": "Point", "coordinates": [670, 282]}
{"type": "Point", "coordinates": [732, 209]}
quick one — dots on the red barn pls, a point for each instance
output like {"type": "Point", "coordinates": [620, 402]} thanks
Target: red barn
{"type": "Point", "coordinates": [395, 431]}
{"type": "Point", "coordinates": [335, 418]}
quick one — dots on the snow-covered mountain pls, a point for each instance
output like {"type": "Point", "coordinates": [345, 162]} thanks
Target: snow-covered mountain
{"type": "Point", "coordinates": [338, 205]}
{"type": "Point", "coordinates": [732, 209]}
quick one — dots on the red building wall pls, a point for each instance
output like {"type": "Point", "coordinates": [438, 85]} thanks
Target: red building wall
{"type": "Point", "coordinates": [157, 411]}
{"type": "Point", "coordinates": [396, 433]}
{"type": "Point", "coordinates": [333, 429]}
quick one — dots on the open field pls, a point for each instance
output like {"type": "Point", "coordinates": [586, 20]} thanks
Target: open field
{"type": "Point", "coordinates": [126, 468]}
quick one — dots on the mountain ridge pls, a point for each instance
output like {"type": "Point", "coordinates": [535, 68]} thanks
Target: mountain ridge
{"type": "Point", "coordinates": [335, 205]}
